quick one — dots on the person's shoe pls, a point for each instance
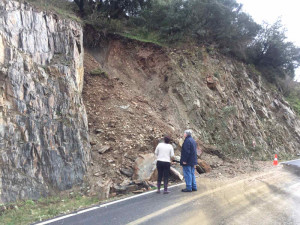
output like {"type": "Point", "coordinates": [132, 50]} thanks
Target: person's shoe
{"type": "Point", "coordinates": [166, 192]}
{"type": "Point", "coordinates": [158, 187]}
{"type": "Point", "coordinates": [194, 190]}
{"type": "Point", "coordinates": [186, 190]}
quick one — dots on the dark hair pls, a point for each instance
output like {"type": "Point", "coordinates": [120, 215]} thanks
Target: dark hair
{"type": "Point", "coordinates": [167, 139]}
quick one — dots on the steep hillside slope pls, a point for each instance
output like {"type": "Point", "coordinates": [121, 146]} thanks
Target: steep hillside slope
{"type": "Point", "coordinates": [145, 91]}
{"type": "Point", "coordinates": [148, 91]}
{"type": "Point", "coordinates": [44, 142]}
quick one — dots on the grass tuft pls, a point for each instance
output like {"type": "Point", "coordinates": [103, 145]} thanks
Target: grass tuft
{"type": "Point", "coordinates": [29, 211]}
{"type": "Point", "coordinates": [150, 38]}
{"type": "Point", "coordinates": [65, 9]}
{"type": "Point", "coordinates": [294, 101]}
{"type": "Point", "coordinates": [99, 72]}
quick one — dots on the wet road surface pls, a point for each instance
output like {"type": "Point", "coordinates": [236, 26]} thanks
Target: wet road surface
{"type": "Point", "coordinates": [266, 198]}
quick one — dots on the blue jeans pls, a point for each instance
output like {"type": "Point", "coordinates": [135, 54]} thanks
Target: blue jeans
{"type": "Point", "coordinates": [189, 177]}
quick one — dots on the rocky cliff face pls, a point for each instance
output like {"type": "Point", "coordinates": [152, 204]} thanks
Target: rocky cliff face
{"type": "Point", "coordinates": [144, 92]}
{"type": "Point", "coordinates": [43, 125]}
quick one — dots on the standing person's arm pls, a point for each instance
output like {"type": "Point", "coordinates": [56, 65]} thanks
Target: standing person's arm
{"type": "Point", "coordinates": [185, 152]}
{"type": "Point", "coordinates": [156, 150]}
{"type": "Point", "coordinates": [172, 153]}
{"type": "Point", "coordinates": [196, 156]}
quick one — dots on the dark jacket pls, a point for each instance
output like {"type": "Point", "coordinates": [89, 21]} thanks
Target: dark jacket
{"type": "Point", "coordinates": [189, 152]}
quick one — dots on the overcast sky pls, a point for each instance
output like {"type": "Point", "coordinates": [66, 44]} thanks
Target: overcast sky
{"type": "Point", "coordinates": [270, 10]}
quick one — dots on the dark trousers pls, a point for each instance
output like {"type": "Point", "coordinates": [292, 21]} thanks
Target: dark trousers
{"type": "Point", "coordinates": [163, 169]}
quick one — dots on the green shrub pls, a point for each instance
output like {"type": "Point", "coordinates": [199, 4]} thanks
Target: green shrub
{"type": "Point", "coordinates": [217, 75]}
{"type": "Point", "coordinates": [99, 72]}
{"type": "Point", "coordinates": [294, 102]}
{"type": "Point", "coordinates": [63, 8]}
{"type": "Point", "coordinates": [143, 36]}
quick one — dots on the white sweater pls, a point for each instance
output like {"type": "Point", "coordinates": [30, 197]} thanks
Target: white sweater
{"type": "Point", "coordinates": [164, 152]}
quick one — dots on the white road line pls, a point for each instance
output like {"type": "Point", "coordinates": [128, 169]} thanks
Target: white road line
{"type": "Point", "coordinates": [87, 210]}
{"type": "Point", "coordinates": [135, 196]}
{"type": "Point", "coordinates": [56, 219]}
{"type": "Point", "coordinates": [101, 206]}
{"type": "Point", "coordinates": [120, 200]}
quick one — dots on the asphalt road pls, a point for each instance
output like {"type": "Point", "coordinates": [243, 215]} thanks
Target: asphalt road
{"type": "Point", "coordinates": [293, 166]}
{"type": "Point", "coordinates": [295, 163]}
{"type": "Point", "coordinates": [266, 198]}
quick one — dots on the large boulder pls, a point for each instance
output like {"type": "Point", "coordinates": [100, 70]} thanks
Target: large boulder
{"type": "Point", "coordinates": [205, 166]}
{"type": "Point", "coordinates": [144, 167]}
{"type": "Point", "coordinates": [102, 188]}
{"type": "Point", "coordinates": [154, 176]}
{"type": "Point", "coordinates": [176, 173]}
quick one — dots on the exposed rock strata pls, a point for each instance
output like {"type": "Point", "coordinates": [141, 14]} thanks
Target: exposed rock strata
{"type": "Point", "coordinates": [43, 125]}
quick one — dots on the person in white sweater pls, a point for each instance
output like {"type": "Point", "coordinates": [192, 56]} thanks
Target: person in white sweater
{"type": "Point", "coordinates": [164, 153]}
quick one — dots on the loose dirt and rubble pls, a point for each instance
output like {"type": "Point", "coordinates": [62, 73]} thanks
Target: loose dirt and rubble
{"type": "Point", "coordinates": [126, 126]}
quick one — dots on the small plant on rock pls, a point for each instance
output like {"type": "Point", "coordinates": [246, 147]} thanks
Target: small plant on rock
{"type": "Point", "coordinates": [98, 72]}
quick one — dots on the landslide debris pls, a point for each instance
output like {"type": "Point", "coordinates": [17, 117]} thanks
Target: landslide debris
{"type": "Point", "coordinates": [149, 91]}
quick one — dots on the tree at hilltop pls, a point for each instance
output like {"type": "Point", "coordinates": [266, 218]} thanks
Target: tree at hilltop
{"type": "Point", "coordinates": [219, 23]}
{"type": "Point", "coordinates": [272, 53]}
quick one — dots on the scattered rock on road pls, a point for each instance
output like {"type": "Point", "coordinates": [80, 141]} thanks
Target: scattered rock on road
{"type": "Point", "coordinates": [138, 191]}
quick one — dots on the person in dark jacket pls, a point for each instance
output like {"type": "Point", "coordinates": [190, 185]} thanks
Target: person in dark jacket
{"type": "Point", "coordinates": [188, 161]}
